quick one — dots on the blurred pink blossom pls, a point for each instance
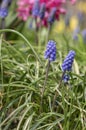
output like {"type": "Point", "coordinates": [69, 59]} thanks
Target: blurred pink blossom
{"type": "Point", "coordinates": [23, 13]}
{"type": "Point", "coordinates": [73, 1]}
{"type": "Point", "coordinates": [25, 8]}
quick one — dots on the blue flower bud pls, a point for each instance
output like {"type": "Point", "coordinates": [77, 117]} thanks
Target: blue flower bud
{"type": "Point", "coordinates": [84, 35]}
{"type": "Point", "coordinates": [51, 17]}
{"type": "Point", "coordinates": [4, 8]}
{"type": "Point", "coordinates": [36, 8]}
{"type": "Point", "coordinates": [3, 12]}
{"type": "Point", "coordinates": [50, 52]}
{"type": "Point", "coordinates": [67, 63]}
{"type": "Point", "coordinates": [4, 3]}
{"type": "Point", "coordinates": [75, 33]}
{"type": "Point", "coordinates": [42, 11]}
{"type": "Point", "coordinates": [67, 19]}
{"type": "Point", "coordinates": [66, 78]}
{"type": "Point", "coordinates": [80, 16]}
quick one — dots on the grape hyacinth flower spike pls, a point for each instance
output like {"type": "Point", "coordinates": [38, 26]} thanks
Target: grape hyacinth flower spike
{"type": "Point", "coordinates": [35, 14]}
{"type": "Point", "coordinates": [51, 18]}
{"type": "Point", "coordinates": [67, 63]}
{"type": "Point", "coordinates": [36, 8]}
{"type": "Point", "coordinates": [50, 54]}
{"type": "Point", "coordinates": [4, 9]}
{"type": "Point", "coordinates": [83, 33]}
{"type": "Point", "coordinates": [76, 33]}
{"type": "Point", "coordinates": [42, 11]}
{"type": "Point", "coordinates": [3, 12]}
{"type": "Point", "coordinates": [66, 66]}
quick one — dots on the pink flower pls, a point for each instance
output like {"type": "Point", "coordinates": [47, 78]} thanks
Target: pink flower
{"type": "Point", "coordinates": [55, 3]}
{"type": "Point", "coordinates": [62, 11]}
{"type": "Point", "coordinates": [22, 3]}
{"type": "Point", "coordinates": [24, 8]}
{"type": "Point", "coordinates": [23, 13]}
{"type": "Point", "coordinates": [44, 1]}
{"type": "Point", "coordinates": [31, 1]}
{"type": "Point", "coordinates": [73, 1]}
{"type": "Point", "coordinates": [42, 10]}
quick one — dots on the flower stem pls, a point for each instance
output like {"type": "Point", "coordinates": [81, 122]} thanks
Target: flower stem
{"type": "Point", "coordinates": [53, 105]}
{"type": "Point", "coordinates": [49, 29]}
{"type": "Point", "coordinates": [39, 35]}
{"type": "Point", "coordinates": [3, 26]}
{"type": "Point", "coordinates": [3, 23]}
{"type": "Point", "coordinates": [47, 70]}
{"type": "Point", "coordinates": [36, 31]}
{"type": "Point", "coordinates": [45, 81]}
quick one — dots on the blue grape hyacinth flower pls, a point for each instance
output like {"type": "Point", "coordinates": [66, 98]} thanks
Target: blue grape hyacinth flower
{"type": "Point", "coordinates": [51, 18]}
{"type": "Point", "coordinates": [4, 8]}
{"type": "Point", "coordinates": [3, 12]}
{"type": "Point", "coordinates": [84, 35]}
{"type": "Point", "coordinates": [42, 11]}
{"type": "Point", "coordinates": [66, 78]}
{"type": "Point", "coordinates": [76, 33]}
{"type": "Point", "coordinates": [36, 8]}
{"type": "Point", "coordinates": [50, 52]}
{"type": "Point", "coordinates": [67, 63]}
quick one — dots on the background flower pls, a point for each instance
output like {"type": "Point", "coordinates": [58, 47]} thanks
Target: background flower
{"type": "Point", "coordinates": [39, 9]}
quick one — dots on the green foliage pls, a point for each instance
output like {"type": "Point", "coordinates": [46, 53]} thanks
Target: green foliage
{"type": "Point", "coordinates": [22, 74]}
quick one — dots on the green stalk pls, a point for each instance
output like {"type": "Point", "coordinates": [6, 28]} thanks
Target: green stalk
{"type": "Point", "coordinates": [3, 26]}
{"type": "Point", "coordinates": [45, 82]}
{"type": "Point", "coordinates": [54, 99]}
{"type": "Point", "coordinates": [49, 29]}
{"type": "Point", "coordinates": [36, 32]}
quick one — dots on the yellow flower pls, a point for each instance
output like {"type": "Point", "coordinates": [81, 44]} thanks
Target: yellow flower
{"type": "Point", "coordinates": [82, 7]}
{"type": "Point", "coordinates": [73, 23]}
{"type": "Point", "coordinates": [60, 26]}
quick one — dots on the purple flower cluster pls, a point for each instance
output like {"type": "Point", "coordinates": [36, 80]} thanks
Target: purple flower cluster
{"type": "Point", "coordinates": [76, 33]}
{"type": "Point", "coordinates": [50, 52]}
{"type": "Point", "coordinates": [36, 8]}
{"type": "Point", "coordinates": [51, 18]}
{"type": "Point", "coordinates": [42, 11]}
{"type": "Point", "coordinates": [67, 64]}
{"type": "Point", "coordinates": [3, 12]}
{"type": "Point", "coordinates": [66, 78]}
{"type": "Point", "coordinates": [83, 33]}
{"type": "Point", "coordinates": [4, 8]}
